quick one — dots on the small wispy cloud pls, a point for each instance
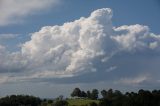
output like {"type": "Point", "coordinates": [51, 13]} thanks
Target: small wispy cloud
{"type": "Point", "coordinates": [13, 11]}
{"type": "Point", "coordinates": [112, 68]}
{"type": "Point", "coordinates": [8, 36]}
{"type": "Point", "coordinates": [134, 81]}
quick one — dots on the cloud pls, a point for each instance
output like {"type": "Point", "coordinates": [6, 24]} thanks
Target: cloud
{"type": "Point", "coordinates": [137, 37]}
{"type": "Point", "coordinates": [13, 11]}
{"type": "Point", "coordinates": [82, 50]}
{"type": "Point", "coordinates": [134, 81]}
{"type": "Point", "coordinates": [7, 36]}
{"type": "Point", "coordinates": [112, 68]}
{"type": "Point", "coordinates": [3, 79]}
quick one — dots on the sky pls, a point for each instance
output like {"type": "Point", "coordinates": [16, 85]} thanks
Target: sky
{"type": "Point", "coordinates": [49, 47]}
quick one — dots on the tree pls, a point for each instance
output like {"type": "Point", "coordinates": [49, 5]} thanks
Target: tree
{"type": "Point", "coordinates": [50, 101]}
{"type": "Point", "coordinates": [104, 94]}
{"type": "Point", "coordinates": [20, 100]}
{"type": "Point", "coordinates": [104, 102]}
{"type": "Point", "coordinates": [116, 98]}
{"type": "Point", "coordinates": [83, 94]}
{"type": "Point", "coordinates": [60, 97]}
{"type": "Point", "coordinates": [94, 94]}
{"type": "Point", "coordinates": [76, 92]}
{"type": "Point", "coordinates": [110, 94]}
{"type": "Point", "coordinates": [89, 94]}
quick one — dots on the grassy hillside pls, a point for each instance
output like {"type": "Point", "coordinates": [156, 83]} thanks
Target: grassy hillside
{"type": "Point", "coordinates": [80, 102]}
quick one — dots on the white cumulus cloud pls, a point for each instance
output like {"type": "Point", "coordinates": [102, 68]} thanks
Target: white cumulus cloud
{"type": "Point", "coordinates": [76, 48]}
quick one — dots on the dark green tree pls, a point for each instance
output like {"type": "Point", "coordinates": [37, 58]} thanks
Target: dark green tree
{"type": "Point", "coordinates": [76, 92]}
{"type": "Point", "coordinates": [104, 94]}
{"type": "Point", "coordinates": [83, 94]}
{"type": "Point", "coordinates": [89, 94]}
{"type": "Point", "coordinates": [110, 94]}
{"type": "Point", "coordinates": [20, 100]}
{"type": "Point", "coordinates": [94, 94]}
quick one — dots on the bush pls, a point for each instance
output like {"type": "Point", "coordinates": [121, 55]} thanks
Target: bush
{"type": "Point", "coordinates": [93, 104]}
{"type": "Point", "coordinates": [60, 103]}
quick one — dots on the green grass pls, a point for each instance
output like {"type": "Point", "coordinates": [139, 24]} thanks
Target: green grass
{"type": "Point", "coordinates": [80, 102]}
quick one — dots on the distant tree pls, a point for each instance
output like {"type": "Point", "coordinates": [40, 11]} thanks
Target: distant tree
{"type": "Point", "coordinates": [104, 102]}
{"type": "Point", "coordinates": [116, 98]}
{"type": "Point", "coordinates": [20, 100]}
{"type": "Point", "coordinates": [89, 94]}
{"type": "Point", "coordinates": [76, 92]}
{"type": "Point", "coordinates": [110, 94]}
{"type": "Point", "coordinates": [104, 94]}
{"type": "Point", "coordinates": [60, 97]}
{"type": "Point", "coordinates": [117, 93]}
{"type": "Point", "coordinates": [83, 94]}
{"type": "Point", "coordinates": [60, 101]}
{"type": "Point", "coordinates": [94, 94]}
{"type": "Point", "coordinates": [50, 101]}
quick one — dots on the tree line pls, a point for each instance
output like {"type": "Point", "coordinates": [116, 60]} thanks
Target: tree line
{"type": "Point", "coordinates": [117, 98]}
{"type": "Point", "coordinates": [20, 100]}
{"type": "Point", "coordinates": [82, 94]}
{"type": "Point", "coordinates": [108, 98]}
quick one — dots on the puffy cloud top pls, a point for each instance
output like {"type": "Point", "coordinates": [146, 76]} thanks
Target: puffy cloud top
{"type": "Point", "coordinates": [77, 47]}
{"type": "Point", "coordinates": [72, 47]}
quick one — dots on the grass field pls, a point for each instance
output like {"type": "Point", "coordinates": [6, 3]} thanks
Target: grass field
{"type": "Point", "coordinates": [80, 102]}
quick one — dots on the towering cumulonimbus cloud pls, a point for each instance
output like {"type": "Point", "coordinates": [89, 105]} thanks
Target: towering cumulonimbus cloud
{"type": "Point", "coordinates": [77, 47]}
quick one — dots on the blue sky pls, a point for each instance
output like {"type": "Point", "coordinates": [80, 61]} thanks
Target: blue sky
{"type": "Point", "coordinates": [126, 58]}
{"type": "Point", "coordinates": [126, 12]}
